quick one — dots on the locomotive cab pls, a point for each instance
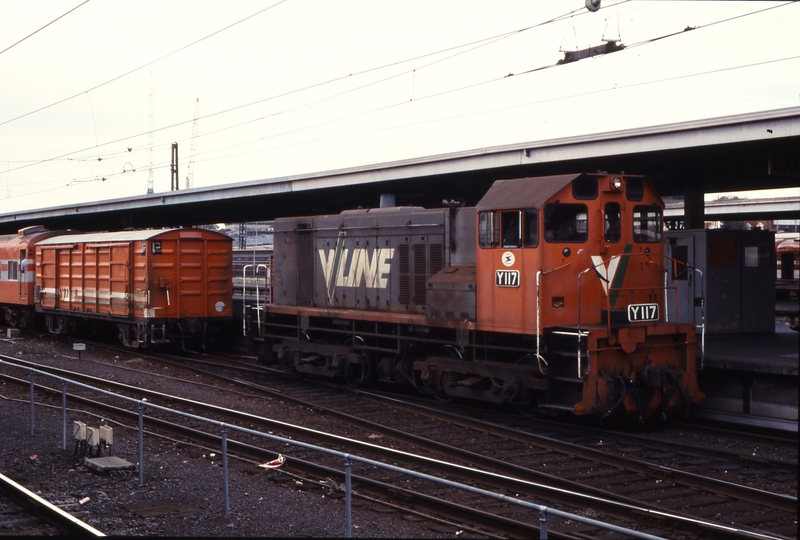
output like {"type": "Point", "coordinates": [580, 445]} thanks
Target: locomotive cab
{"type": "Point", "coordinates": [577, 261]}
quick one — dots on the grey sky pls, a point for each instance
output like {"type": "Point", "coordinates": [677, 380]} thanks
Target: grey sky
{"type": "Point", "coordinates": [312, 85]}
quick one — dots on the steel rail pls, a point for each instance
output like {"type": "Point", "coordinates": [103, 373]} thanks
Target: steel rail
{"type": "Point", "coordinates": [63, 521]}
{"type": "Point", "coordinates": [527, 482]}
{"type": "Point", "coordinates": [778, 501]}
{"type": "Point", "coordinates": [376, 489]}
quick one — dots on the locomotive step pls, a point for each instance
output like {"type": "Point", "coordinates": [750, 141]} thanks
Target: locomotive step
{"type": "Point", "coordinates": [568, 380]}
{"type": "Point", "coordinates": [556, 407]}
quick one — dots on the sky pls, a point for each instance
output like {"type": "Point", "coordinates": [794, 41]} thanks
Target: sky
{"type": "Point", "coordinates": [94, 93]}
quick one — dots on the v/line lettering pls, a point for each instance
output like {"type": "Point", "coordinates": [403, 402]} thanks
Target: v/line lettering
{"type": "Point", "coordinates": [370, 267]}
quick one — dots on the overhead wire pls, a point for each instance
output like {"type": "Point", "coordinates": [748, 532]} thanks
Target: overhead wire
{"type": "Point", "coordinates": [372, 111]}
{"type": "Point", "coordinates": [533, 70]}
{"type": "Point", "coordinates": [43, 27]}
{"type": "Point", "coordinates": [474, 44]}
{"type": "Point", "coordinates": [118, 77]}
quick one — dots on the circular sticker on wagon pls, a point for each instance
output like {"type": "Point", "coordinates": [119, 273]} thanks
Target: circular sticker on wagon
{"type": "Point", "coordinates": [219, 306]}
{"type": "Point", "coordinates": [508, 258]}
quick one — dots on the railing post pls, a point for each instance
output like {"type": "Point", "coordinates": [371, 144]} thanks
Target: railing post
{"type": "Point", "coordinates": [32, 411]}
{"type": "Point", "coordinates": [224, 430]}
{"type": "Point", "coordinates": [63, 414]}
{"type": "Point", "coordinates": [141, 443]}
{"type": "Point", "coordinates": [543, 523]}
{"type": "Point", "coordinates": [348, 516]}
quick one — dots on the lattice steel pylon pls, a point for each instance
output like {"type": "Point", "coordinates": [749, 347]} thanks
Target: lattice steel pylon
{"type": "Point", "coordinates": [193, 152]}
{"type": "Point", "coordinates": [151, 130]}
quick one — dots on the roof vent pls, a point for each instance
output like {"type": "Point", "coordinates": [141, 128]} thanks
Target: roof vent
{"type": "Point", "coordinates": [387, 200]}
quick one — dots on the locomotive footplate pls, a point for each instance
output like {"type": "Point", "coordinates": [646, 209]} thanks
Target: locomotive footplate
{"type": "Point", "coordinates": [663, 384]}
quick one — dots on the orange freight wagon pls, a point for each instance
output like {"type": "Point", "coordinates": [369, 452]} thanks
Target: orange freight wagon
{"type": "Point", "coordinates": [153, 283]}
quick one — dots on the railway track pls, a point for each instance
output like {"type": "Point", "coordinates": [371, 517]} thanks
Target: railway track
{"type": "Point", "coordinates": [577, 476]}
{"type": "Point", "coordinates": [23, 513]}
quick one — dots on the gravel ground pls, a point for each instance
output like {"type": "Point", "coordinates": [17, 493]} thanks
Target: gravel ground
{"type": "Point", "coordinates": [183, 488]}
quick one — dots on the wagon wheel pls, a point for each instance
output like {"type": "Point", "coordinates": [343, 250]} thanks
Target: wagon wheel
{"type": "Point", "coordinates": [440, 395]}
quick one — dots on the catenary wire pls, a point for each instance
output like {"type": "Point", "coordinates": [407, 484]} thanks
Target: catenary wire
{"type": "Point", "coordinates": [644, 42]}
{"type": "Point", "coordinates": [43, 27]}
{"type": "Point", "coordinates": [476, 43]}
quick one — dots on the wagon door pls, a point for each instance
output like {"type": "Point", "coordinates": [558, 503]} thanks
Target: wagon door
{"type": "Point", "coordinates": [119, 280]}
{"type": "Point", "coordinates": [47, 267]}
{"type": "Point", "coordinates": [191, 282]}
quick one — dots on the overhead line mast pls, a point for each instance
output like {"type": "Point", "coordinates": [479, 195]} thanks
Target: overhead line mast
{"type": "Point", "coordinates": [193, 152]}
{"type": "Point", "coordinates": [151, 129]}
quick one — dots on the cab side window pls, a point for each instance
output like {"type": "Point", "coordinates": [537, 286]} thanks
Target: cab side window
{"type": "Point", "coordinates": [509, 229]}
{"type": "Point", "coordinates": [486, 229]}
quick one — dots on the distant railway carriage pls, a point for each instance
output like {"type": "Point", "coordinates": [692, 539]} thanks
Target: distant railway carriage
{"type": "Point", "coordinates": [548, 294]}
{"type": "Point", "coordinates": [18, 272]}
{"type": "Point", "coordinates": [787, 249]}
{"type": "Point", "coordinates": [153, 285]}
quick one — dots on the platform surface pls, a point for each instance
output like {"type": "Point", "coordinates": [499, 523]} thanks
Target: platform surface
{"type": "Point", "coordinates": [760, 353]}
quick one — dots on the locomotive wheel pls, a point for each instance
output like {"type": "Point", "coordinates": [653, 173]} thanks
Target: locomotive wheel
{"type": "Point", "coordinates": [438, 392]}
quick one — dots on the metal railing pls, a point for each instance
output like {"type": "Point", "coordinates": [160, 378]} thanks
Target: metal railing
{"type": "Point", "coordinates": [544, 512]}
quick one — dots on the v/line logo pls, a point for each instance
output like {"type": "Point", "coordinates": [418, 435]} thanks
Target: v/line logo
{"type": "Point", "coordinates": [343, 268]}
{"type": "Point", "coordinates": [612, 275]}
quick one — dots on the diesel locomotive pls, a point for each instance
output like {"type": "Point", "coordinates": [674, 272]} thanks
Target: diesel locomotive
{"type": "Point", "coordinates": [549, 295]}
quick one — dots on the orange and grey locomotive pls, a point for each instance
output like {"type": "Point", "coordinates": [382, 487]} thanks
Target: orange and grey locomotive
{"type": "Point", "coordinates": [549, 294]}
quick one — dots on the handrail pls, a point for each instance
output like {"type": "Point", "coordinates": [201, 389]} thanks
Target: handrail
{"type": "Point", "coordinates": [141, 404]}
{"type": "Point", "coordinates": [594, 267]}
{"type": "Point", "coordinates": [539, 274]}
{"type": "Point", "coordinates": [258, 306]}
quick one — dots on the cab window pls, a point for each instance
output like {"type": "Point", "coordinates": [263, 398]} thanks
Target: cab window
{"type": "Point", "coordinates": [531, 227]}
{"type": "Point", "coordinates": [510, 225]}
{"type": "Point", "coordinates": [647, 224]}
{"type": "Point", "coordinates": [485, 229]}
{"type": "Point", "coordinates": [634, 189]}
{"type": "Point", "coordinates": [509, 229]}
{"type": "Point", "coordinates": [566, 222]}
{"type": "Point", "coordinates": [611, 228]}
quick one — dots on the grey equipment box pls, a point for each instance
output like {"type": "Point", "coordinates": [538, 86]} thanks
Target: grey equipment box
{"type": "Point", "coordinates": [738, 279]}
